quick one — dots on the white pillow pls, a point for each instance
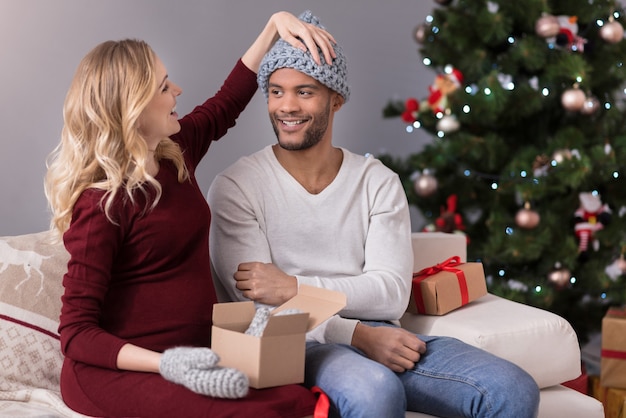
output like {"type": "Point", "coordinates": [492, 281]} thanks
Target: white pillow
{"type": "Point", "coordinates": [31, 271]}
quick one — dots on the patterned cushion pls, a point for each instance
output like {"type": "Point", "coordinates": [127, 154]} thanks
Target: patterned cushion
{"type": "Point", "coordinates": [31, 270]}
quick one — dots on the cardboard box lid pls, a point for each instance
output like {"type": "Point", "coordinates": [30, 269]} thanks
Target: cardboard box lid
{"type": "Point", "coordinates": [286, 324]}
{"type": "Point", "coordinates": [320, 303]}
{"type": "Point", "coordinates": [233, 315]}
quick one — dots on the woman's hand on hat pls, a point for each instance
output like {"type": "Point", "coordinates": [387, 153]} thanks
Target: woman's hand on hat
{"type": "Point", "coordinates": [305, 36]}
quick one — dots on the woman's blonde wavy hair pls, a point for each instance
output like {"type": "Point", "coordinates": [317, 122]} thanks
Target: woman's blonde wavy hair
{"type": "Point", "coordinates": [100, 144]}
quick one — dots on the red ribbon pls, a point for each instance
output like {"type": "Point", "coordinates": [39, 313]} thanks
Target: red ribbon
{"type": "Point", "coordinates": [621, 355]}
{"type": "Point", "coordinates": [322, 405]}
{"type": "Point", "coordinates": [447, 265]}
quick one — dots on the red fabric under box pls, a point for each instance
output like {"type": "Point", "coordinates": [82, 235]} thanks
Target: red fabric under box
{"type": "Point", "coordinates": [581, 383]}
{"type": "Point", "coordinates": [444, 287]}
{"type": "Point", "coordinates": [613, 354]}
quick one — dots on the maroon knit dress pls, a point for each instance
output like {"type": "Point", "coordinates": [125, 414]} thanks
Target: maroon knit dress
{"type": "Point", "coordinates": [147, 281]}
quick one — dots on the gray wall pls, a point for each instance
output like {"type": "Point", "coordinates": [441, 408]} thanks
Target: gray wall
{"type": "Point", "coordinates": [42, 41]}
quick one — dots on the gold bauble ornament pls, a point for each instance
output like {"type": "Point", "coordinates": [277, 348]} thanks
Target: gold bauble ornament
{"type": "Point", "coordinates": [425, 184]}
{"type": "Point", "coordinates": [573, 99]}
{"type": "Point", "coordinates": [612, 32]}
{"type": "Point", "coordinates": [590, 106]}
{"type": "Point", "coordinates": [547, 26]}
{"type": "Point", "coordinates": [527, 218]}
{"type": "Point", "coordinates": [420, 33]}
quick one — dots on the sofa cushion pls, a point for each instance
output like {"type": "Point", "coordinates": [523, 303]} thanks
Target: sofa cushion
{"type": "Point", "coordinates": [37, 403]}
{"type": "Point", "coordinates": [557, 401]}
{"type": "Point", "coordinates": [31, 270]}
{"type": "Point", "coordinates": [540, 342]}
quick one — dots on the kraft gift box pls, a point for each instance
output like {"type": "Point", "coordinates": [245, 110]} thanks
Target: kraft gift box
{"type": "Point", "coordinates": [613, 352]}
{"type": "Point", "coordinates": [432, 248]}
{"type": "Point", "coordinates": [277, 357]}
{"type": "Point", "coordinates": [446, 286]}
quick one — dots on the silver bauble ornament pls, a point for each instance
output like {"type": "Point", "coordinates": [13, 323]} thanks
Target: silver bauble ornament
{"type": "Point", "coordinates": [547, 26]}
{"type": "Point", "coordinates": [573, 99]}
{"type": "Point", "coordinates": [559, 277]}
{"type": "Point", "coordinates": [527, 218]}
{"type": "Point", "coordinates": [425, 184]}
{"type": "Point", "coordinates": [561, 155]}
{"type": "Point", "coordinates": [448, 123]}
{"type": "Point", "coordinates": [612, 32]}
{"type": "Point", "coordinates": [590, 106]}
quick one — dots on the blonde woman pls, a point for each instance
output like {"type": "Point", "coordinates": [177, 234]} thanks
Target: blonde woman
{"type": "Point", "coordinates": [136, 314]}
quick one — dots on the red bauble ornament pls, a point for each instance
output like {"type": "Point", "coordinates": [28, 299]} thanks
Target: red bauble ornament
{"type": "Point", "coordinates": [573, 99]}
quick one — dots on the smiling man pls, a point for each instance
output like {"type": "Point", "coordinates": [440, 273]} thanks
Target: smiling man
{"type": "Point", "coordinates": [303, 211]}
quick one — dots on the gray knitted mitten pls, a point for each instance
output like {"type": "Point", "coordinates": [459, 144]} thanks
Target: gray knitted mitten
{"type": "Point", "coordinates": [259, 322]}
{"type": "Point", "coordinates": [261, 316]}
{"type": "Point", "coordinates": [197, 370]}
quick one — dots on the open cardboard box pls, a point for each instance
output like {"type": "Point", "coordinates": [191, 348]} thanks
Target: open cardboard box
{"type": "Point", "coordinates": [276, 358]}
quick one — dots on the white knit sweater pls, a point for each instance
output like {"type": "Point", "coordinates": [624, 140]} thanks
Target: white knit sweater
{"type": "Point", "coordinates": [353, 237]}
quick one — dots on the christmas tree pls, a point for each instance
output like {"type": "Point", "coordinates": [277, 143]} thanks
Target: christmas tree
{"type": "Point", "coordinates": [528, 150]}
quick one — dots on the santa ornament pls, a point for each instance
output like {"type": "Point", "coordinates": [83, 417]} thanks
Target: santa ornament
{"type": "Point", "coordinates": [444, 85]}
{"type": "Point", "coordinates": [591, 216]}
{"type": "Point", "coordinates": [567, 34]}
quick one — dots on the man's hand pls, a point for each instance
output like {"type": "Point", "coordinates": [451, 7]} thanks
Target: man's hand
{"type": "Point", "coordinates": [393, 347]}
{"type": "Point", "coordinates": [265, 283]}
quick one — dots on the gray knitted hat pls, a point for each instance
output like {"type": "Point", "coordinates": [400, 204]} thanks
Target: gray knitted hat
{"type": "Point", "coordinates": [283, 55]}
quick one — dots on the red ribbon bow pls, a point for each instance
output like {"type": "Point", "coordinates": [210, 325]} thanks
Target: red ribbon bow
{"type": "Point", "coordinates": [447, 265]}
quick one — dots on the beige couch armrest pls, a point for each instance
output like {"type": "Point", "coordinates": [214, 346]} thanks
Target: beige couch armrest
{"type": "Point", "coordinates": [540, 342]}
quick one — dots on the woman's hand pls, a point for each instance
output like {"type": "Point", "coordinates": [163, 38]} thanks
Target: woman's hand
{"type": "Point", "coordinates": [290, 28]}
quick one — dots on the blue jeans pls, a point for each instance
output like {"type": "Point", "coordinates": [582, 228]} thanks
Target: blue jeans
{"type": "Point", "coordinates": [452, 379]}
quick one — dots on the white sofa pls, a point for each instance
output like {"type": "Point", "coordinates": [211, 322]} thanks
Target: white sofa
{"type": "Point", "coordinates": [31, 270]}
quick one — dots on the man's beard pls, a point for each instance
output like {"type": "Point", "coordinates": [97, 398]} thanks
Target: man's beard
{"type": "Point", "coordinates": [312, 135]}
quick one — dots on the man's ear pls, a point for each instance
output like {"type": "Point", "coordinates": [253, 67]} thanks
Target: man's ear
{"type": "Point", "coordinates": [338, 101]}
